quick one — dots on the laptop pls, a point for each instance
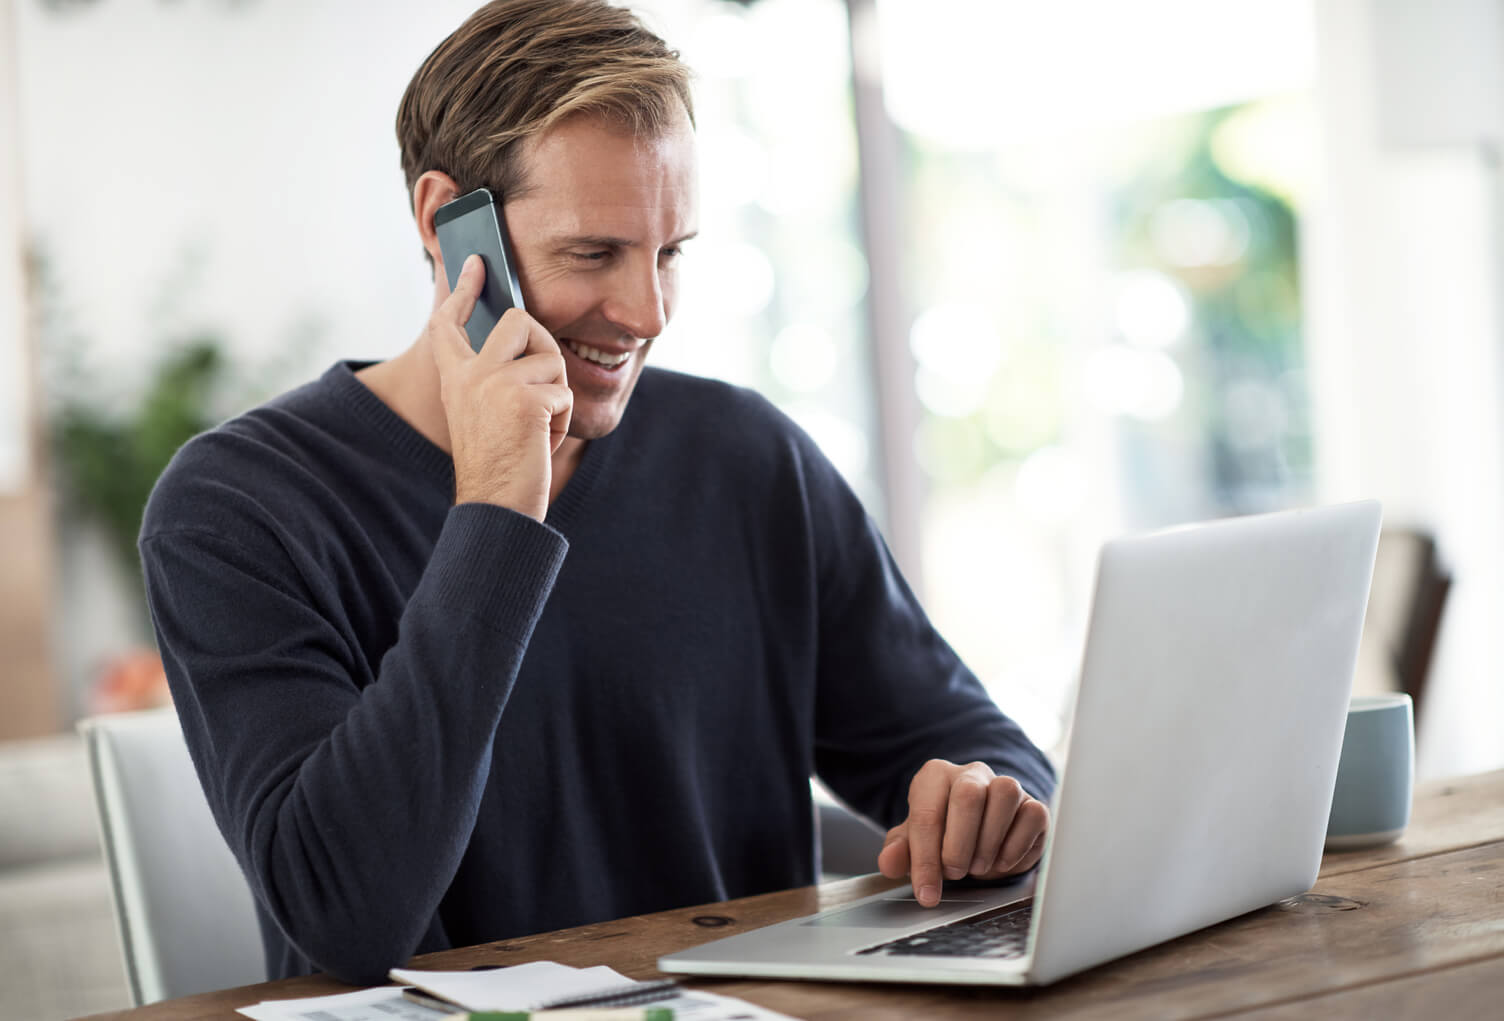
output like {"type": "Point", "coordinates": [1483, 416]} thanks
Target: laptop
{"type": "Point", "coordinates": [1198, 780]}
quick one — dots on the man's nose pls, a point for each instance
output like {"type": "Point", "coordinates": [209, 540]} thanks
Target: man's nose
{"type": "Point", "coordinates": [637, 303]}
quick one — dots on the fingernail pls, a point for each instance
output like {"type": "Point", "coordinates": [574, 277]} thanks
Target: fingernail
{"type": "Point", "coordinates": [929, 895]}
{"type": "Point", "coordinates": [954, 872]}
{"type": "Point", "coordinates": [978, 866]}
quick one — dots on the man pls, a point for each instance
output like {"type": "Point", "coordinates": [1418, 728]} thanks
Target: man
{"type": "Point", "coordinates": [467, 646]}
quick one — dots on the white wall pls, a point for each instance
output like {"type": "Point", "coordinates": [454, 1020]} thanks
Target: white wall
{"type": "Point", "coordinates": [220, 166]}
{"type": "Point", "coordinates": [252, 146]}
{"type": "Point", "coordinates": [1402, 290]}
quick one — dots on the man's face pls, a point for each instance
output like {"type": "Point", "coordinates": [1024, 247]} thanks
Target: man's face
{"type": "Point", "coordinates": [598, 239]}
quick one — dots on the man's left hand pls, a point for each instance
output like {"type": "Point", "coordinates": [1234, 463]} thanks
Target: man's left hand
{"type": "Point", "coordinates": [963, 821]}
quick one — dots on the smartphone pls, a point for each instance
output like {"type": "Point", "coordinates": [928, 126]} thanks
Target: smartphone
{"type": "Point", "coordinates": [473, 225]}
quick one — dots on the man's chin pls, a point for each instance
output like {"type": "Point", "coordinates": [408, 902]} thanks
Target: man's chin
{"type": "Point", "coordinates": [595, 423]}
{"type": "Point", "coordinates": [597, 415]}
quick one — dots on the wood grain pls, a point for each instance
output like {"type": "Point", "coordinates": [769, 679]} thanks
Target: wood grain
{"type": "Point", "coordinates": [1473, 990]}
{"type": "Point", "coordinates": [1447, 815]}
{"type": "Point", "coordinates": [1368, 924]}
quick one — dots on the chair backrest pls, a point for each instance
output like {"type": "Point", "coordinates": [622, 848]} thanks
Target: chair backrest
{"type": "Point", "coordinates": [186, 918]}
{"type": "Point", "coordinates": [1410, 587]}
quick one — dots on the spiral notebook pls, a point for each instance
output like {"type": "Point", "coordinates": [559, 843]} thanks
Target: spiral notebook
{"type": "Point", "coordinates": [540, 985]}
{"type": "Point", "coordinates": [537, 985]}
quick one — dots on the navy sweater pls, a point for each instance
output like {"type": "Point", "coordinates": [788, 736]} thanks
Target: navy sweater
{"type": "Point", "coordinates": [422, 725]}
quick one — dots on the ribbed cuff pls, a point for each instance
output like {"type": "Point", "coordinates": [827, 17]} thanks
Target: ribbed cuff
{"type": "Point", "coordinates": [496, 566]}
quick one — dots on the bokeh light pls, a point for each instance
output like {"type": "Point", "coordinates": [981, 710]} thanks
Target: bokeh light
{"type": "Point", "coordinates": [1051, 485]}
{"type": "Point", "coordinates": [1151, 309]}
{"type": "Point", "coordinates": [1142, 384]}
{"type": "Point", "coordinates": [733, 166]}
{"type": "Point", "coordinates": [957, 351]}
{"type": "Point", "coordinates": [1024, 408]}
{"type": "Point", "coordinates": [727, 279]}
{"type": "Point", "coordinates": [823, 271]}
{"type": "Point", "coordinates": [722, 46]}
{"type": "Point", "coordinates": [803, 357]}
{"type": "Point", "coordinates": [950, 450]}
{"type": "Point", "coordinates": [838, 437]}
{"type": "Point", "coordinates": [1200, 232]}
{"type": "Point", "coordinates": [1272, 145]}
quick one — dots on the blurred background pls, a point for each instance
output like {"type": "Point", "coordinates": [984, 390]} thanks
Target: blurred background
{"type": "Point", "coordinates": [1033, 275]}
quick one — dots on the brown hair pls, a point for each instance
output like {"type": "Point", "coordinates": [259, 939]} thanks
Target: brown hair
{"type": "Point", "coordinates": [515, 69]}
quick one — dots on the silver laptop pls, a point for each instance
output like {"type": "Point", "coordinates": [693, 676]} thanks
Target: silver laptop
{"type": "Point", "coordinates": [1202, 758]}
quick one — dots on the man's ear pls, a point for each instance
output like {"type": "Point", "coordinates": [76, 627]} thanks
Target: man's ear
{"type": "Point", "coordinates": [431, 191]}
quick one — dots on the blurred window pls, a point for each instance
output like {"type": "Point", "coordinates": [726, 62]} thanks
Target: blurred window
{"type": "Point", "coordinates": [1101, 258]}
{"type": "Point", "coordinates": [774, 286]}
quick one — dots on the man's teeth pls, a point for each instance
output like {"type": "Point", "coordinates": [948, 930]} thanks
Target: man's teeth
{"type": "Point", "coordinates": [591, 354]}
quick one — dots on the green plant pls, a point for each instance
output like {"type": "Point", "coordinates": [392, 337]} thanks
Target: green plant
{"type": "Point", "coordinates": [109, 463]}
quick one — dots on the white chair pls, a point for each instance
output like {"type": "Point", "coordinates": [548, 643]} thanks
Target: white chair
{"type": "Point", "coordinates": [849, 843]}
{"type": "Point", "coordinates": [186, 919]}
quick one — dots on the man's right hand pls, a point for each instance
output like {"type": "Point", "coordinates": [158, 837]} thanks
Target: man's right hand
{"type": "Point", "coordinates": [507, 406]}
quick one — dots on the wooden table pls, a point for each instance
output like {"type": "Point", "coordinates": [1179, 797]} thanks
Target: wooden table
{"type": "Point", "coordinates": [1415, 929]}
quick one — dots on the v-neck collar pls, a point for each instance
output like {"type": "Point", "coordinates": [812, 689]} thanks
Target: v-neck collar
{"type": "Point", "coordinates": [437, 465]}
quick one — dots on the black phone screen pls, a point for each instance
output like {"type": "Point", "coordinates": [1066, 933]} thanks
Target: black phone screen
{"type": "Point", "coordinates": [473, 225]}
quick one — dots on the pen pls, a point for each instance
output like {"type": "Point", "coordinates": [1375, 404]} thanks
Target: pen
{"type": "Point", "coordinates": [584, 1008]}
{"type": "Point", "coordinates": [423, 999]}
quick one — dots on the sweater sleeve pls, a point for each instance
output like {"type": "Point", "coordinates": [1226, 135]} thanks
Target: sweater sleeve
{"type": "Point", "coordinates": [892, 693]}
{"type": "Point", "coordinates": [349, 807]}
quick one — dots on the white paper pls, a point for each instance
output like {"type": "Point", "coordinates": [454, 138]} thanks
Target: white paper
{"type": "Point", "coordinates": [540, 981]}
{"type": "Point", "coordinates": [384, 1003]}
{"type": "Point", "coordinates": [519, 987]}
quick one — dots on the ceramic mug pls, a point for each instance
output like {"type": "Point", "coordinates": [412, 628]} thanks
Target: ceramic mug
{"type": "Point", "coordinates": [1375, 775]}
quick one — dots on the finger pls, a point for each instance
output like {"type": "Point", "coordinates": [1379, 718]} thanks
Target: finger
{"type": "Point", "coordinates": [448, 323]}
{"type": "Point", "coordinates": [929, 795]}
{"type": "Point", "coordinates": [561, 409]}
{"type": "Point", "coordinates": [963, 818]}
{"type": "Point", "coordinates": [1004, 796]}
{"type": "Point", "coordinates": [893, 859]}
{"type": "Point", "coordinates": [1029, 824]}
{"type": "Point", "coordinates": [461, 301]}
{"type": "Point", "coordinates": [533, 369]}
{"type": "Point", "coordinates": [1031, 858]}
{"type": "Point", "coordinates": [517, 334]}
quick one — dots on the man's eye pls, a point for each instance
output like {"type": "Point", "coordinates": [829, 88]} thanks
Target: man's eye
{"type": "Point", "coordinates": [671, 252]}
{"type": "Point", "coordinates": [599, 255]}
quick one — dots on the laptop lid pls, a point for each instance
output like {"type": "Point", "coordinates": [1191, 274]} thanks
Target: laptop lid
{"type": "Point", "coordinates": [1208, 722]}
{"type": "Point", "coordinates": [1203, 755]}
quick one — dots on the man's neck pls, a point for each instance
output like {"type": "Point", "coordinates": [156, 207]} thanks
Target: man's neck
{"type": "Point", "coordinates": [409, 385]}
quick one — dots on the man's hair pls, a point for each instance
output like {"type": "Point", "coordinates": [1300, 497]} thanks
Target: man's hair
{"type": "Point", "coordinates": [517, 68]}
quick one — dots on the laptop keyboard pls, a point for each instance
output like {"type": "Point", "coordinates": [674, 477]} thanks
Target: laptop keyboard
{"type": "Point", "coordinates": [1002, 933]}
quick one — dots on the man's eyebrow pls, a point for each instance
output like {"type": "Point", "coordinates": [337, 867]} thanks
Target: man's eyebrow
{"type": "Point", "coordinates": [603, 241]}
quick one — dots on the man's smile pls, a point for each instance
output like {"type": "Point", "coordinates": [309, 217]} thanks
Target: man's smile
{"type": "Point", "coordinates": [605, 358]}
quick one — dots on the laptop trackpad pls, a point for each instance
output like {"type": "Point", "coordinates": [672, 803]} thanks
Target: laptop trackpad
{"type": "Point", "coordinates": [890, 914]}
